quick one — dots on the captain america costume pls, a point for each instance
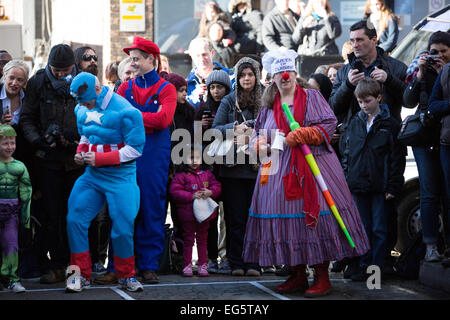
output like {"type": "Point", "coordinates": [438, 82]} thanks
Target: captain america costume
{"type": "Point", "coordinates": [157, 100]}
{"type": "Point", "coordinates": [114, 130]}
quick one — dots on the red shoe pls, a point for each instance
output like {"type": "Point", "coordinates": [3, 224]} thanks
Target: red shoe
{"type": "Point", "coordinates": [298, 282]}
{"type": "Point", "coordinates": [322, 285]}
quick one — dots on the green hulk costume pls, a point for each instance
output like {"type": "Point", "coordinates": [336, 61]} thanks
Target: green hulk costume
{"type": "Point", "coordinates": [15, 199]}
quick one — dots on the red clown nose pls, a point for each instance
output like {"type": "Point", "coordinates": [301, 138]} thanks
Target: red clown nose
{"type": "Point", "coordinates": [285, 76]}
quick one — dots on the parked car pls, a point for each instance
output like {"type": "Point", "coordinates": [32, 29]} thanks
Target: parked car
{"type": "Point", "coordinates": [409, 223]}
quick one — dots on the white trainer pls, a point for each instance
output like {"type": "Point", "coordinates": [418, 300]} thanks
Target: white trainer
{"type": "Point", "coordinates": [130, 284]}
{"type": "Point", "coordinates": [16, 287]}
{"type": "Point", "coordinates": [77, 284]}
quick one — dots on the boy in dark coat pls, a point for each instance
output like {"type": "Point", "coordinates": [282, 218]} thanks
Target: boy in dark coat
{"type": "Point", "coordinates": [373, 163]}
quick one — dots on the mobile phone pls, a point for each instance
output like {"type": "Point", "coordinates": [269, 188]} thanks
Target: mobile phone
{"type": "Point", "coordinates": [8, 110]}
{"type": "Point", "coordinates": [207, 112]}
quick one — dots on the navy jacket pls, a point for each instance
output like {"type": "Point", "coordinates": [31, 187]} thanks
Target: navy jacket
{"type": "Point", "coordinates": [374, 161]}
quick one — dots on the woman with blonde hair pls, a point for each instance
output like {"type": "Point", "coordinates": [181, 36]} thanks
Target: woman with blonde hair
{"type": "Point", "coordinates": [317, 29]}
{"type": "Point", "coordinates": [384, 21]}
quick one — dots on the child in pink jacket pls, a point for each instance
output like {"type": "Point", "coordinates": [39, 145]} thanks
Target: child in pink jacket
{"type": "Point", "coordinates": [191, 182]}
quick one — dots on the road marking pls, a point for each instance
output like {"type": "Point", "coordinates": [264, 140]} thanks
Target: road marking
{"type": "Point", "coordinates": [265, 289]}
{"type": "Point", "coordinates": [122, 293]}
{"type": "Point", "coordinates": [403, 289]}
{"type": "Point", "coordinates": [184, 284]}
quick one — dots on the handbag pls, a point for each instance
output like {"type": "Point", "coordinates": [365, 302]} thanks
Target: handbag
{"type": "Point", "coordinates": [412, 131]}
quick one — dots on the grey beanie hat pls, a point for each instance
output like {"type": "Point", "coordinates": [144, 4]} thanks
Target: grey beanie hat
{"type": "Point", "coordinates": [219, 76]}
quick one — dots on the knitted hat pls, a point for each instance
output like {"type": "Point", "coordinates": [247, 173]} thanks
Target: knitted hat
{"type": "Point", "coordinates": [61, 56]}
{"type": "Point", "coordinates": [83, 87]}
{"type": "Point", "coordinates": [7, 131]}
{"type": "Point", "coordinates": [174, 78]}
{"type": "Point", "coordinates": [219, 76]}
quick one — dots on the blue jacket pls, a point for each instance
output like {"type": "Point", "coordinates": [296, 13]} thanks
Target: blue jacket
{"type": "Point", "coordinates": [193, 82]}
{"type": "Point", "coordinates": [438, 105]}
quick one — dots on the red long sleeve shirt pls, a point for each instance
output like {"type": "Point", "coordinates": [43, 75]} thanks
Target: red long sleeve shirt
{"type": "Point", "coordinates": [143, 88]}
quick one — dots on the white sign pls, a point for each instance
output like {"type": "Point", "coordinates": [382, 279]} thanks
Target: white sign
{"type": "Point", "coordinates": [435, 5]}
{"type": "Point", "coordinates": [352, 11]}
{"type": "Point", "coordinates": [132, 15]}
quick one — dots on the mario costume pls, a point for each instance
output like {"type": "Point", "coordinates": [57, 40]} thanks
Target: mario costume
{"type": "Point", "coordinates": [114, 131]}
{"type": "Point", "coordinates": [156, 98]}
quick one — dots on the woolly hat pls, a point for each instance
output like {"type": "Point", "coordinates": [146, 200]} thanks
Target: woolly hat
{"type": "Point", "coordinates": [83, 87]}
{"type": "Point", "coordinates": [7, 131]}
{"type": "Point", "coordinates": [219, 76]}
{"type": "Point", "coordinates": [61, 56]}
{"type": "Point", "coordinates": [174, 78]}
{"type": "Point", "coordinates": [276, 61]}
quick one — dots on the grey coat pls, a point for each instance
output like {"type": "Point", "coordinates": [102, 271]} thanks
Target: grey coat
{"type": "Point", "coordinates": [277, 32]}
{"type": "Point", "coordinates": [318, 38]}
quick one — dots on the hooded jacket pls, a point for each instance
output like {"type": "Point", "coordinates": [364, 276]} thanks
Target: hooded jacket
{"type": "Point", "coordinates": [228, 114]}
{"type": "Point", "coordinates": [318, 38]}
{"type": "Point", "coordinates": [247, 26]}
{"type": "Point", "coordinates": [374, 161]}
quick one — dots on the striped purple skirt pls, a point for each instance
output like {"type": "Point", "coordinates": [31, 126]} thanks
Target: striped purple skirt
{"type": "Point", "coordinates": [276, 232]}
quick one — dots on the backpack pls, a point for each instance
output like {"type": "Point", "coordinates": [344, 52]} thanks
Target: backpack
{"type": "Point", "coordinates": [408, 264]}
{"type": "Point", "coordinates": [171, 261]}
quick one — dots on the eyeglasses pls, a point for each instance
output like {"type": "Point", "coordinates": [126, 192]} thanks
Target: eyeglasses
{"type": "Point", "coordinates": [88, 57]}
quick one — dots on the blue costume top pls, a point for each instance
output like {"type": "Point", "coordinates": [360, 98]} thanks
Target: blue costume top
{"type": "Point", "coordinates": [120, 126]}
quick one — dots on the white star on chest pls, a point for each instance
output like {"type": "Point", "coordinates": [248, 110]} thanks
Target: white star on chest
{"type": "Point", "coordinates": [94, 116]}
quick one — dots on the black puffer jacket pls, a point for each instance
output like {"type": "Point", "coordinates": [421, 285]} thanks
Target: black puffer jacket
{"type": "Point", "coordinates": [342, 96]}
{"type": "Point", "coordinates": [248, 28]}
{"type": "Point", "coordinates": [374, 161]}
{"type": "Point", "coordinates": [43, 106]}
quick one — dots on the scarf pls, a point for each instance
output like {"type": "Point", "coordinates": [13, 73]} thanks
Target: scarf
{"type": "Point", "coordinates": [62, 87]}
{"type": "Point", "coordinates": [310, 197]}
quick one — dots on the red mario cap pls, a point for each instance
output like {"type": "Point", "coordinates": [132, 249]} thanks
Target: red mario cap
{"type": "Point", "coordinates": [144, 45]}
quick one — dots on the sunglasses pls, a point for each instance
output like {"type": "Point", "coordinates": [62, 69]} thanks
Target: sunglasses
{"type": "Point", "coordinates": [88, 57]}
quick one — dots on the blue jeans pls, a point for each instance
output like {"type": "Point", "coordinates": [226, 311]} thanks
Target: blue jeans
{"type": "Point", "coordinates": [445, 162]}
{"type": "Point", "coordinates": [372, 209]}
{"type": "Point", "coordinates": [431, 190]}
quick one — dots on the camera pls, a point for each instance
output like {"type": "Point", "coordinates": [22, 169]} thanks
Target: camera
{"type": "Point", "coordinates": [431, 58]}
{"type": "Point", "coordinates": [357, 64]}
{"type": "Point", "coordinates": [52, 133]}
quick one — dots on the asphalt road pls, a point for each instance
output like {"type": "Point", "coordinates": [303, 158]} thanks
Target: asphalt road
{"type": "Point", "coordinates": [226, 287]}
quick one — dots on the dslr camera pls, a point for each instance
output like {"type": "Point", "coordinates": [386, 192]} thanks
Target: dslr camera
{"type": "Point", "coordinates": [53, 133]}
{"type": "Point", "coordinates": [431, 58]}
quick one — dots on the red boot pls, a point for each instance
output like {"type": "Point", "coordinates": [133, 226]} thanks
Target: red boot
{"type": "Point", "coordinates": [296, 282]}
{"type": "Point", "coordinates": [322, 285]}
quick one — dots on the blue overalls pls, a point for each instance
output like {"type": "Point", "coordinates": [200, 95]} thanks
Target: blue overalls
{"type": "Point", "coordinates": [152, 174]}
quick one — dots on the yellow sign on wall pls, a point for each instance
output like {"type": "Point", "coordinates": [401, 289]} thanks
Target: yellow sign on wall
{"type": "Point", "coordinates": [132, 15]}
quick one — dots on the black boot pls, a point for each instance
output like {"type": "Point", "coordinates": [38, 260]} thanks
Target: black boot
{"type": "Point", "coordinates": [352, 268]}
